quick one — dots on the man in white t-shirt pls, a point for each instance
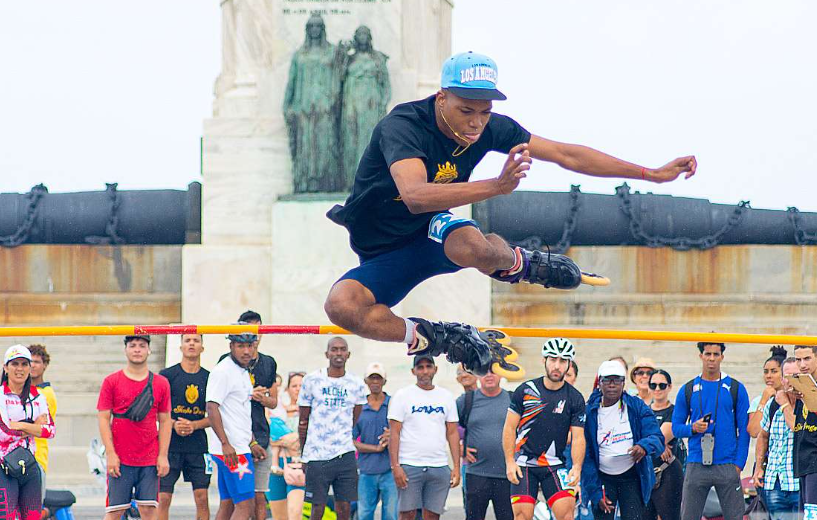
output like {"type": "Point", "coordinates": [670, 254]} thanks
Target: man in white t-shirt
{"type": "Point", "coordinates": [422, 420]}
{"type": "Point", "coordinates": [230, 435]}
{"type": "Point", "coordinates": [330, 403]}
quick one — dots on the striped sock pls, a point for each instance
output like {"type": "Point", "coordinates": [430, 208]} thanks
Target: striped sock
{"type": "Point", "coordinates": [518, 263]}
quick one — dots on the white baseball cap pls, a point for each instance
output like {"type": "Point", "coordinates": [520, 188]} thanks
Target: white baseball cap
{"type": "Point", "coordinates": [612, 368]}
{"type": "Point", "coordinates": [16, 352]}
{"type": "Point", "coordinates": [376, 368]}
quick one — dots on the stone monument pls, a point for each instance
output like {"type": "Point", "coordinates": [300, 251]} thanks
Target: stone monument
{"type": "Point", "coordinates": [265, 248]}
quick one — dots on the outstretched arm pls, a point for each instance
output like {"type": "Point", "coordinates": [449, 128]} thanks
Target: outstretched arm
{"type": "Point", "coordinates": [582, 159]}
{"type": "Point", "coordinates": [421, 196]}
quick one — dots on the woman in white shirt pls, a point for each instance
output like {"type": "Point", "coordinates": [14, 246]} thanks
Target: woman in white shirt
{"type": "Point", "coordinates": [23, 416]}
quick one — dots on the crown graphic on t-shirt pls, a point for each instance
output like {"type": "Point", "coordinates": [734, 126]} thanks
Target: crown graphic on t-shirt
{"type": "Point", "coordinates": [446, 173]}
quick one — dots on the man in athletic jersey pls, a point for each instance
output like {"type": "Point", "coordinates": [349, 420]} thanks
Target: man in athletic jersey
{"type": "Point", "coordinates": [805, 436]}
{"type": "Point", "coordinates": [413, 172]}
{"type": "Point", "coordinates": [542, 413]}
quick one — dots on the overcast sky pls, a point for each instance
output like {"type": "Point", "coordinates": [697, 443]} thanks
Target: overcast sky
{"type": "Point", "coordinates": [99, 91]}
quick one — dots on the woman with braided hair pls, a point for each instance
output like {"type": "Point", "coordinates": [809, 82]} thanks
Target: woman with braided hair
{"type": "Point", "coordinates": [773, 377]}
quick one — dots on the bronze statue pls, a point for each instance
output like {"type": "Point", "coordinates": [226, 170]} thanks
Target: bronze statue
{"type": "Point", "coordinates": [311, 110]}
{"type": "Point", "coordinates": [366, 92]}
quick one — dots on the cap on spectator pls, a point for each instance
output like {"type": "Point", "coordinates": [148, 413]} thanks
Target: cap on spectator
{"type": "Point", "coordinates": [243, 337]}
{"type": "Point", "coordinates": [376, 368]}
{"type": "Point", "coordinates": [137, 336]}
{"type": "Point", "coordinates": [611, 368]}
{"type": "Point", "coordinates": [16, 352]}
{"type": "Point", "coordinates": [643, 362]}
{"type": "Point", "coordinates": [421, 357]}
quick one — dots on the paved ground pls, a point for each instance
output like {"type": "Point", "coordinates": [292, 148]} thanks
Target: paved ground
{"type": "Point", "coordinates": [91, 500]}
{"type": "Point", "coordinates": [188, 513]}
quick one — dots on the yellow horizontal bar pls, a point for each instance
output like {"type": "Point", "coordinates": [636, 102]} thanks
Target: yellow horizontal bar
{"type": "Point", "coordinates": [102, 330]}
{"type": "Point", "coordinates": [660, 335]}
{"type": "Point", "coordinates": [332, 329]}
{"type": "Point", "coordinates": [521, 332]}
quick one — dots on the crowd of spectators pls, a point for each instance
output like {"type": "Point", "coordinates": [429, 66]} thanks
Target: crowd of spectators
{"type": "Point", "coordinates": [305, 443]}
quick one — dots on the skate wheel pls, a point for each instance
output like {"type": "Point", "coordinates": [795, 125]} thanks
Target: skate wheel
{"type": "Point", "coordinates": [509, 370]}
{"type": "Point", "coordinates": [507, 353]}
{"type": "Point", "coordinates": [496, 335]}
{"type": "Point", "coordinates": [595, 279]}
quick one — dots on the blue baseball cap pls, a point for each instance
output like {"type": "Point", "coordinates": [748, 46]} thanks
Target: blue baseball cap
{"type": "Point", "coordinates": [471, 76]}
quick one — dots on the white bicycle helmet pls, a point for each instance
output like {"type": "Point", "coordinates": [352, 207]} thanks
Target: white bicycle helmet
{"type": "Point", "coordinates": [559, 347]}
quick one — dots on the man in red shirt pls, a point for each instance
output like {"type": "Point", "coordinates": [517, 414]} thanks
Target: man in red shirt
{"type": "Point", "coordinates": [135, 449]}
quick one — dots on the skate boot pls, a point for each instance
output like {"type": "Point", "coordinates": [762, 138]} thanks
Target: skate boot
{"type": "Point", "coordinates": [459, 342]}
{"type": "Point", "coordinates": [549, 270]}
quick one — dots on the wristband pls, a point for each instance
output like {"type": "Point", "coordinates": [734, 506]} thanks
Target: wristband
{"type": "Point", "coordinates": [643, 174]}
{"type": "Point", "coordinates": [253, 443]}
{"type": "Point", "coordinates": [783, 406]}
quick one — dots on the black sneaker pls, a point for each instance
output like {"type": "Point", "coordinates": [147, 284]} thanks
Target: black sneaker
{"type": "Point", "coordinates": [459, 342]}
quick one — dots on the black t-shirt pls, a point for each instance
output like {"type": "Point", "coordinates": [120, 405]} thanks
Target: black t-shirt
{"type": "Point", "coordinates": [377, 219]}
{"type": "Point", "coordinates": [262, 373]}
{"type": "Point", "coordinates": [187, 400]}
{"type": "Point", "coordinates": [805, 440]}
{"type": "Point", "coordinates": [545, 418]}
{"type": "Point", "coordinates": [665, 416]}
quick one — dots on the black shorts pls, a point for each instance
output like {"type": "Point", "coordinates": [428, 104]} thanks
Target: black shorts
{"type": "Point", "coordinates": [547, 478]}
{"type": "Point", "coordinates": [391, 276]}
{"type": "Point", "coordinates": [808, 490]}
{"type": "Point", "coordinates": [340, 473]}
{"type": "Point", "coordinates": [139, 482]}
{"type": "Point", "coordinates": [194, 467]}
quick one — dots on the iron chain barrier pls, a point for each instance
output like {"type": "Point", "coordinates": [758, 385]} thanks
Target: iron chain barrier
{"type": "Point", "coordinates": [677, 243]}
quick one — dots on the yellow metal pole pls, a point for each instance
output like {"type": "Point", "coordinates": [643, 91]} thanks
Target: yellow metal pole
{"type": "Point", "coordinates": [521, 332]}
{"type": "Point", "coordinates": [660, 335]}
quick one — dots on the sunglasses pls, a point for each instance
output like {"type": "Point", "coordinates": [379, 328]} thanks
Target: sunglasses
{"type": "Point", "coordinates": [639, 373]}
{"type": "Point", "coordinates": [660, 386]}
{"type": "Point", "coordinates": [611, 380]}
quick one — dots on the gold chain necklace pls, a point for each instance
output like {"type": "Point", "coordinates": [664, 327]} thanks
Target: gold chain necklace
{"type": "Point", "coordinates": [459, 150]}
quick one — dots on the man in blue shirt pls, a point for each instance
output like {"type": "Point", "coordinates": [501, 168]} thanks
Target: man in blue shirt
{"type": "Point", "coordinates": [717, 409]}
{"type": "Point", "coordinates": [371, 434]}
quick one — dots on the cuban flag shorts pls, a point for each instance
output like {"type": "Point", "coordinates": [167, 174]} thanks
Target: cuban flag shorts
{"type": "Point", "coordinates": [236, 483]}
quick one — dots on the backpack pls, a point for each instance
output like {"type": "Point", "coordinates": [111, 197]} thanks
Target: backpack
{"type": "Point", "coordinates": [466, 413]}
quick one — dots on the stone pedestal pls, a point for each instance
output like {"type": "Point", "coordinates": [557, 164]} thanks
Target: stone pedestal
{"type": "Point", "coordinates": [280, 258]}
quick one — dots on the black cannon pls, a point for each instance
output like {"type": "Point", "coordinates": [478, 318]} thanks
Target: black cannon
{"type": "Point", "coordinates": [101, 217]}
{"type": "Point", "coordinates": [559, 220]}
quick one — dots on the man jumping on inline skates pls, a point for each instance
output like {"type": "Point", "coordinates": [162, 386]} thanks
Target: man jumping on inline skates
{"type": "Point", "coordinates": [413, 172]}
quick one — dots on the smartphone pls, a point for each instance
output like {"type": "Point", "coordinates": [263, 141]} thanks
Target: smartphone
{"type": "Point", "coordinates": [707, 417]}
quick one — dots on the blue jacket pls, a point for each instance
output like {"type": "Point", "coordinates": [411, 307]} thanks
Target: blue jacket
{"type": "Point", "coordinates": [731, 440]}
{"type": "Point", "coordinates": [646, 434]}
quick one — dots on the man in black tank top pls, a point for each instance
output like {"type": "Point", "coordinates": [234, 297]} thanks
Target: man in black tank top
{"type": "Point", "coordinates": [415, 169]}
